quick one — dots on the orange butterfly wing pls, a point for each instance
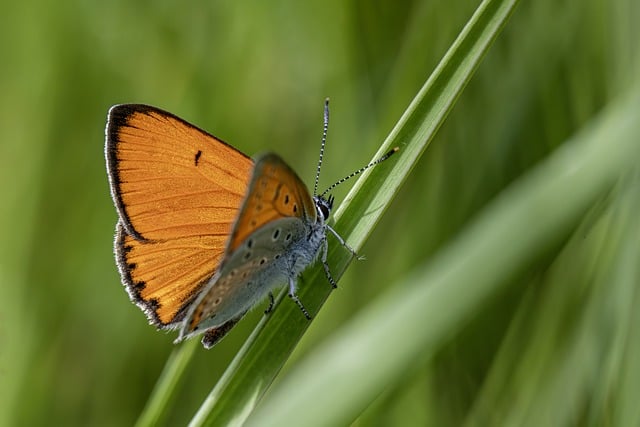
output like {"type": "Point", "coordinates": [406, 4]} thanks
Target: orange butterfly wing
{"type": "Point", "coordinates": [178, 191]}
{"type": "Point", "coordinates": [275, 192]}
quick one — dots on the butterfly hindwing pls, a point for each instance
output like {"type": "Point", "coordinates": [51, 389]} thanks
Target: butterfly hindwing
{"type": "Point", "coordinates": [162, 277]}
{"type": "Point", "coordinates": [213, 335]}
{"type": "Point", "coordinates": [247, 275]}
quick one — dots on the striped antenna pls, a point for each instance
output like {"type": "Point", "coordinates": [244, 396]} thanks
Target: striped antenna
{"type": "Point", "coordinates": [324, 140]}
{"type": "Point", "coordinates": [359, 171]}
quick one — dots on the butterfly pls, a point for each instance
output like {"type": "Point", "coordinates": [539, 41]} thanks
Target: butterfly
{"type": "Point", "coordinates": [204, 232]}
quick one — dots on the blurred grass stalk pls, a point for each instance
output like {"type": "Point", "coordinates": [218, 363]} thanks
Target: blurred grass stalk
{"type": "Point", "coordinates": [572, 350]}
{"type": "Point", "coordinates": [340, 379]}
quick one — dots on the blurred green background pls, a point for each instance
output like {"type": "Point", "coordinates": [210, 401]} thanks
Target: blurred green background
{"type": "Point", "coordinates": [75, 351]}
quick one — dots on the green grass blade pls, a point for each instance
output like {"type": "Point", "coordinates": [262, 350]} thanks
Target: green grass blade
{"type": "Point", "coordinates": [417, 317]}
{"type": "Point", "coordinates": [266, 351]}
{"type": "Point", "coordinates": [165, 390]}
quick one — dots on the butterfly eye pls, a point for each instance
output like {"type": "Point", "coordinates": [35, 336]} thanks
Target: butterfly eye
{"type": "Point", "coordinates": [324, 211]}
{"type": "Point", "coordinates": [323, 206]}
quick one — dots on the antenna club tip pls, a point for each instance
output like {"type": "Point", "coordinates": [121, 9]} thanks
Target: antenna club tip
{"type": "Point", "coordinates": [326, 101]}
{"type": "Point", "coordinates": [391, 152]}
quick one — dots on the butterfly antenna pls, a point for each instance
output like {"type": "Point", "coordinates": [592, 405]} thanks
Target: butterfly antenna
{"type": "Point", "coordinates": [362, 169]}
{"type": "Point", "coordinates": [324, 140]}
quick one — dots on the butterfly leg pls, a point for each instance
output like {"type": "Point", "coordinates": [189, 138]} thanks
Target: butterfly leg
{"type": "Point", "coordinates": [323, 258]}
{"type": "Point", "coordinates": [294, 297]}
{"type": "Point", "coordinates": [271, 302]}
{"type": "Point", "coordinates": [343, 243]}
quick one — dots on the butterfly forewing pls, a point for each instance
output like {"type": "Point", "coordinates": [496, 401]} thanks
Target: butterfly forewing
{"type": "Point", "coordinates": [275, 191]}
{"type": "Point", "coordinates": [169, 178]}
{"type": "Point", "coordinates": [178, 191]}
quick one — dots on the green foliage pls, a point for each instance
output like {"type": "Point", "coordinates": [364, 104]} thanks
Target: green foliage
{"type": "Point", "coordinates": [500, 287]}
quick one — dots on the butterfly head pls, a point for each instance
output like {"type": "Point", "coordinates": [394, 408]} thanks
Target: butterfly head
{"type": "Point", "coordinates": [323, 206]}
